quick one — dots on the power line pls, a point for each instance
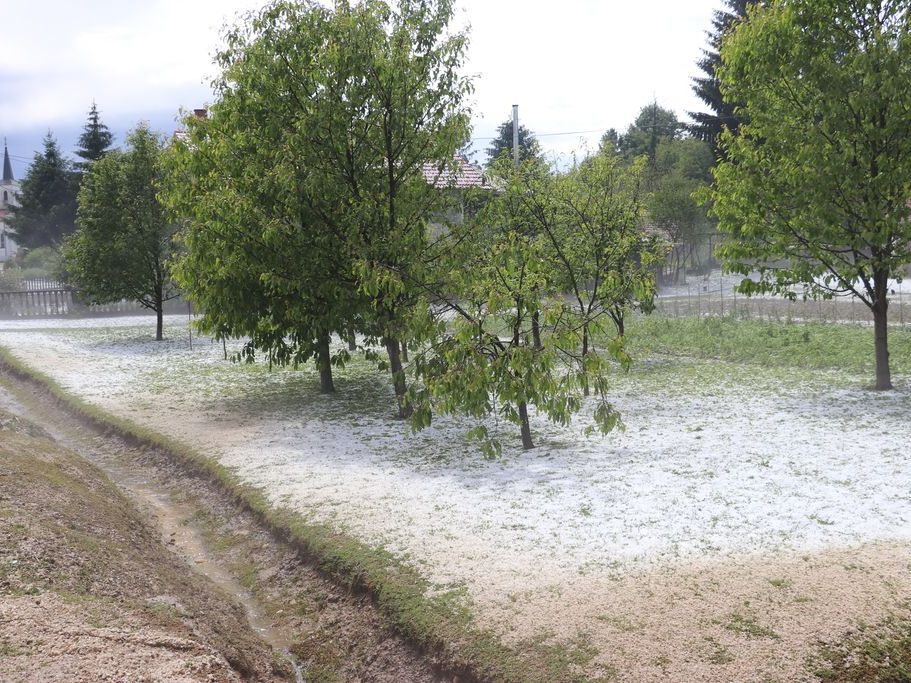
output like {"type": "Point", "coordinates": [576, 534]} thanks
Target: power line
{"type": "Point", "coordinates": [571, 132]}
{"type": "Point", "coordinates": [549, 135]}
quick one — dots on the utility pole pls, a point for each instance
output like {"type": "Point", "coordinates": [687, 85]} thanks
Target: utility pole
{"type": "Point", "coordinates": [515, 135]}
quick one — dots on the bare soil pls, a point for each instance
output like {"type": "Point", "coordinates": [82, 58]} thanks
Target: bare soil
{"type": "Point", "coordinates": [88, 591]}
{"type": "Point", "coordinates": [161, 577]}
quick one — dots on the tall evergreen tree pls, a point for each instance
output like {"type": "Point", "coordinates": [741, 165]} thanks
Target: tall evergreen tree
{"type": "Point", "coordinates": [610, 142]}
{"type": "Point", "coordinates": [47, 198]}
{"type": "Point", "coordinates": [708, 125]}
{"type": "Point", "coordinates": [529, 147]}
{"type": "Point", "coordinates": [95, 141]}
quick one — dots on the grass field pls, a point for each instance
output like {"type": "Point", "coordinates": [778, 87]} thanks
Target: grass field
{"type": "Point", "coordinates": [846, 348]}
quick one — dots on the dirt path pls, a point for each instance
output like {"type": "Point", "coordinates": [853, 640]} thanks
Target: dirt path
{"type": "Point", "coordinates": [326, 633]}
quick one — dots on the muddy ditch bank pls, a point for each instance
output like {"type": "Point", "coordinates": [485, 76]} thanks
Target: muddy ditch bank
{"type": "Point", "coordinates": [117, 563]}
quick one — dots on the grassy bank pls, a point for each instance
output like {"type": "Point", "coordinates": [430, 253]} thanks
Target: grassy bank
{"type": "Point", "coordinates": [780, 344]}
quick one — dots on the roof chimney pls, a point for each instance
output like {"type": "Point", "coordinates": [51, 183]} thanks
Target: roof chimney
{"type": "Point", "coordinates": [7, 166]}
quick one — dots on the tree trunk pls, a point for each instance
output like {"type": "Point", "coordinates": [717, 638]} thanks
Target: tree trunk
{"type": "Point", "coordinates": [159, 313]}
{"type": "Point", "coordinates": [527, 443]}
{"type": "Point", "coordinates": [881, 331]}
{"type": "Point", "coordinates": [617, 315]}
{"type": "Point", "coordinates": [326, 385]}
{"type": "Point", "coordinates": [404, 352]}
{"type": "Point", "coordinates": [536, 329]}
{"type": "Point", "coordinates": [352, 345]}
{"type": "Point", "coordinates": [585, 389]}
{"type": "Point", "coordinates": [393, 349]}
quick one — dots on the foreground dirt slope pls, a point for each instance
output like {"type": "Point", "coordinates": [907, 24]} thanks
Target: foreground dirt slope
{"type": "Point", "coordinates": [334, 635]}
{"type": "Point", "coordinates": [88, 592]}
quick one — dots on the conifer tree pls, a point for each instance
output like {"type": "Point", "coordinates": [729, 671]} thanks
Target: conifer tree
{"type": "Point", "coordinates": [708, 125]}
{"type": "Point", "coordinates": [529, 147]}
{"type": "Point", "coordinates": [95, 141]}
{"type": "Point", "coordinates": [47, 198]}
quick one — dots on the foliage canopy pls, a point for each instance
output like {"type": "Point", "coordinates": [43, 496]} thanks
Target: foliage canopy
{"type": "Point", "coordinates": [305, 189]}
{"type": "Point", "coordinates": [815, 192]}
{"type": "Point", "coordinates": [123, 243]}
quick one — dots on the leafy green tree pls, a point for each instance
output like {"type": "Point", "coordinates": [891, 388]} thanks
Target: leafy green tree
{"type": "Point", "coordinates": [682, 169]}
{"type": "Point", "coordinates": [95, 141]}
{"type": "Point", "coordinates": [815, 192]}
{"type": "Point", "coordinates": [529, 147]}
{"type": "Point", "coordinates": [416, 116]}
{"type": "Point", "coordinates": [325, 122]}
{"type": "Point", "coordinates": [47, 198]}
{"type": "Point", "coordinates": [565, 248]}
{"type": "Point", "coordinates": [653, 124]}
{"type": "Point", "coordinates": [123, 243]}
{"type": "Point", "coordinates": [529, 150]}
{"type": "Point", "coordinates": [707, 126]}
{"type": "Point", "coordinates": [603, 258]}
{"type": "Point", "coordinates": [265, 253]}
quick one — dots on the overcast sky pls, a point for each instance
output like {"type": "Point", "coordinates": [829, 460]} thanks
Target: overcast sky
{"type": "Point", "coordinates": [570, 65]}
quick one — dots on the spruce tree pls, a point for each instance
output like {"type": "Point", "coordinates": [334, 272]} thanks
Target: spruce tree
{"type": "Point", "coordinates": [95, 140]}
{"type": "Point", "coordinates": [708, 125]}
{"type": "Point", "coordinates": [529, 147]}
{"type": "Point", "coordinates": [47, 198]}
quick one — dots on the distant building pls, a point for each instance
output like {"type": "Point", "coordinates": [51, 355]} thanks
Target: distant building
{"type": "Point", "coordinates": [462, 175]}
{"type": "Point", "coordinates": [9, 191]}
{"type": "Point", "coordinates": [454, 181]}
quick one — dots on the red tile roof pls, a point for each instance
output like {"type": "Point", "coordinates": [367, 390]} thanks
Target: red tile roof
{"type": "Point", "coordinates": [460, 176]}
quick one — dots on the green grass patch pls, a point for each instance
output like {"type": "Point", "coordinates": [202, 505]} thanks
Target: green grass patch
{"type": "Point", "coordinates": [875, 654]}
{"type": "Point", "coordinates": [747, 625]}
{"type": "Point", "coordinates": [780, 344]}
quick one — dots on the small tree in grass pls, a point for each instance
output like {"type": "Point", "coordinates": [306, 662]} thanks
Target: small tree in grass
{"type": "Point", "coordinates": [815, 190]}
{"type": "Point", "coordinates": [123, 240]}
{"type": "Point", "coordinates": [597, 244]}
{"type": "Point", "coordinates": [567, 249]}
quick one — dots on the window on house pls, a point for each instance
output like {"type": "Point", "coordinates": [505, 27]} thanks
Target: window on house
{"type": "Point", "coordinates": [5, 196]}
{"type": "Point", "coordinates": [3, 238]}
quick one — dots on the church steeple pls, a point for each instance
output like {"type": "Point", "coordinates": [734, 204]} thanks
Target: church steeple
{"type": "Point", "coordinates": [7, 166]}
